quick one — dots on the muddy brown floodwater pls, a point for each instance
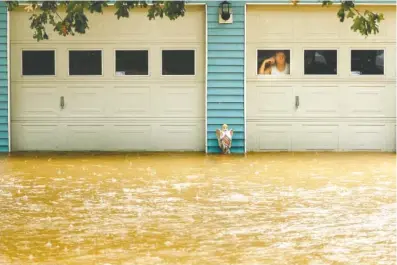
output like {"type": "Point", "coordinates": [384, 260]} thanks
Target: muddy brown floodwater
{"type": "Point", "coordinates": [121, 209]}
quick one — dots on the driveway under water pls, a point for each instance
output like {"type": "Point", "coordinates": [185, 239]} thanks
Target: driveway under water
{"type": "Point", "coordinates": [272, 208]}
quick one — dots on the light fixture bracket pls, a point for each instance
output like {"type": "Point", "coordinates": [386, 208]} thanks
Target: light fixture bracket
{"type": "Point", "coordinates": [225, 13]}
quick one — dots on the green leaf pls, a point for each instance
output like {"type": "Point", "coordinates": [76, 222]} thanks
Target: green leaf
{"type": "Point", "coordinates": [341, 14]}
{"type": "Point", "coordinates": [350, 14]}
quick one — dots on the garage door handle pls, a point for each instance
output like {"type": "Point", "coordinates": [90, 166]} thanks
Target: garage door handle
{"type": "Point", "coordinates": [296, 101]}
{"type": "Point", "coordinates": [62, 104]}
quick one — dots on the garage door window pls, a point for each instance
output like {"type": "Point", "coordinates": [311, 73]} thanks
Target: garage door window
{"type": "Point", "coordinates": [38, 63]}
{"type": "Point", "coordinates": [320, 62]}
{"type": "Point", "coordinates": [85, 62]}
{"type": "Point", "coordinates": [367, 62]}
{"type": "Point", "coordinates": [273, 62]}
{"type": "Point", "coordinates": [132, 62]}
{"type": "Point", "coordinates": [178, 62]}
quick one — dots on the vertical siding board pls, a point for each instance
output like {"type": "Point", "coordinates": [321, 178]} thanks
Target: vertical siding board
{"type": "Point", "coordinates": [3, 80]}
{"type": "Point", "coordinates": [225, 86]}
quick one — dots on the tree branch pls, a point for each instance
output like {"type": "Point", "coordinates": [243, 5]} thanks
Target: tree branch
{"type": "Point", "coordinates": [77, 21]}
{"type": "Point", "coordinates": [366, 24]}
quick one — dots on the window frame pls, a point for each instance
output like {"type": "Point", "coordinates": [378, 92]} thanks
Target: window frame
{"type": "Point", "coordinates": [367, 49]}
{"type": "Point", "coordinates": [40, 50]}
{"type": "Point", "coordinates": [179, 49]}
{"type": "Point", "coordinates": [319, 75]}
{"type": "Point", "coordinates": [130, 49]}
{"type": "Point", "coordinates": [85, 49]}
{"type": "Point", "coordinates": [272, 76]}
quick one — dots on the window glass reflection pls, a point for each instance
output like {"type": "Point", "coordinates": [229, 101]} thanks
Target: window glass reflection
{"type": "Point", "coordinates": [320, 62]}
{"type": "Point", "coordinates": [178, 62]}
{"type": "Point", "coordinates": [85, 62]}
{"type": "Point", "coordinates": [367, 62]}
{"type": "Point", "coordinates": [132, 63]}
{"type": "Point", "coordinates": [38, 62]}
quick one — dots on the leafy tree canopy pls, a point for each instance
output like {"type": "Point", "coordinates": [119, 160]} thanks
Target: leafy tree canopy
{"type": "Point", "coordinates": [74, 19]}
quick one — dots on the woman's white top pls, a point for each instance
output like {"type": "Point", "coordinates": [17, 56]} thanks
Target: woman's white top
{"type": "Point", "coordinates": [275, 71]}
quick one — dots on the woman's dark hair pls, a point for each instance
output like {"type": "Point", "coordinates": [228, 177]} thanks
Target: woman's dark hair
{"type": "Point", "coordinates": [286, 54]}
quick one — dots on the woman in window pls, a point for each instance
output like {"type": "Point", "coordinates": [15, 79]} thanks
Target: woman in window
{"type": "Point", "coordinates": [275, 65]}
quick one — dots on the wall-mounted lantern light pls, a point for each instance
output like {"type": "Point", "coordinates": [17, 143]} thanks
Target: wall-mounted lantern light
{"type": "Point", "coordinates": [225, 12]}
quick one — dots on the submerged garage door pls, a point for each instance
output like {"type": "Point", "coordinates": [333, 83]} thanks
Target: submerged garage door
{"type": "Point", "coordinates": [340, 92]}
{"type": "Point", "coordinates": [128, 84]}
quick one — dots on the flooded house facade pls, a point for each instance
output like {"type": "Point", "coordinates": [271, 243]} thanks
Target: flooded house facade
{"type": "Point", "coordinates": [283, 77]}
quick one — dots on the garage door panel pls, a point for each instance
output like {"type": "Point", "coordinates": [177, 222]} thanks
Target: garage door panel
{"type": "Point", "coordinates": [83, 137]}
{"type": "Point", "coordinates": [127, 137]}
{"type": "Point", "coordinates": [374, 100]}
{"type": "Point", "coordinates": [266, 30]}
{"type": "Point", "coordinates": [84, 100]}
{"type": "Point", "coordinates": [311, 32]}
{"type": "Point", "coordinates": [320, 100]}
{"type": "Point", "coordinates": [130, 100]}
{"type": "Point", "coordinates": [362, 137]}
{"type": "Point", "coordinates": [32, 137]}
{"type": "Point", "coordinates": [269, 137]}
{"type": "Point", "coordinates": [310, 137]}
{"type": "Point", "coordinates": [180, 100]}
{"type": "Point", "coordinates": [179, 137]}
{"type": "Point", "coordinates": [316, 26]}
{"type": "Point", "coordinates": [38, 101]}
{"type": "Point", "coordinates": [390, 137]}
{"type": "Point", "coordinates": [267, 100]}
{"type": "Point", "coordinates": [171, 33]}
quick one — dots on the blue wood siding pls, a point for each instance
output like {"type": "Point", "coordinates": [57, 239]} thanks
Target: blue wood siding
{"type": "Point", "coordinates": [3, 80]}
{"type": "Point", "coordinates": [225, 76]}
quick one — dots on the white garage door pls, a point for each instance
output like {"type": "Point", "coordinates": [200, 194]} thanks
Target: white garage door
{"type": "Point", "coordinates": [128, 84]}
{"type": "Point", "coordinates": [340, 90]}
